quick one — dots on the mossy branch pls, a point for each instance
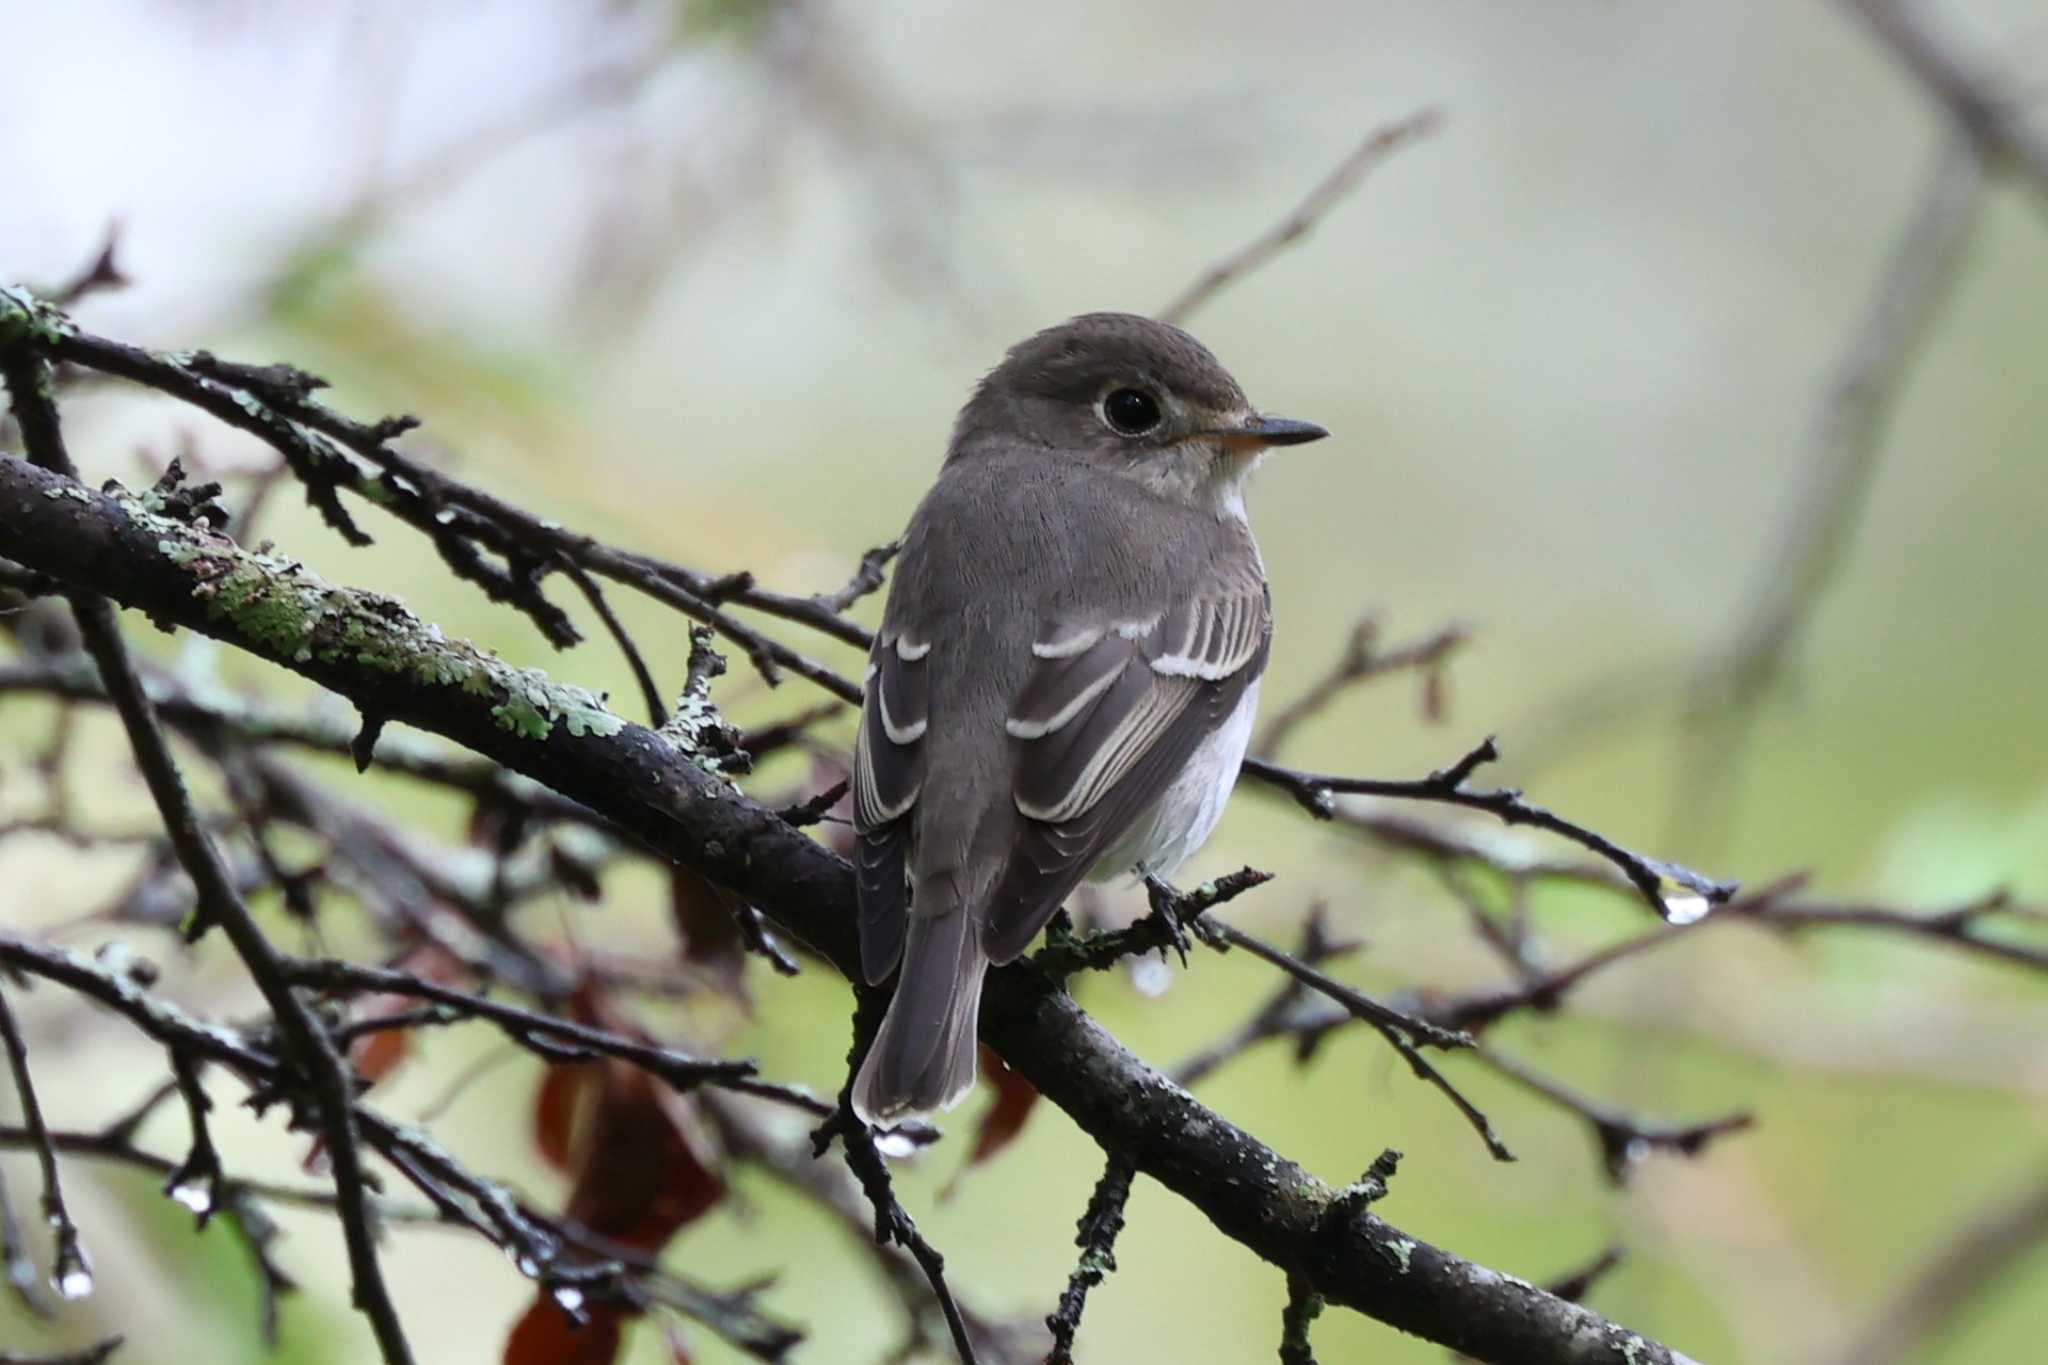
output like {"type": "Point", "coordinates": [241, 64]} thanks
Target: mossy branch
{"type": "Point", "coordinates": [395, 667]}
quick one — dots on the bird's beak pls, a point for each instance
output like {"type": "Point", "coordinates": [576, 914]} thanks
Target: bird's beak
{"type": "Point", "coordinates": [1262, 430]}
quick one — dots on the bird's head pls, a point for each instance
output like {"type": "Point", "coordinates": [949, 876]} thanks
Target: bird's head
{"type": "Point", "coordinates": [1135, 397]}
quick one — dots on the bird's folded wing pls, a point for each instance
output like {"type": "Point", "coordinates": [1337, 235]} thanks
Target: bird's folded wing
{"type": "Point", "coordinates": [1109, 715]}
{"type": "Point", "coordinates": [888, 771]}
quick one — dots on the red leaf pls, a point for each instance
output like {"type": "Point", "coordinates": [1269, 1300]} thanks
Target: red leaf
{"type": "Point", "coordinates": [377, 1055]}
{"type": "Point", "coordinates": [643, 1165]}
{"type": "Point", "coordinates": [554, 1113]}
{"type": "Point", "coordinates": [642, 1175]}
{"type": "Point", "coordinates": [545, 1336]}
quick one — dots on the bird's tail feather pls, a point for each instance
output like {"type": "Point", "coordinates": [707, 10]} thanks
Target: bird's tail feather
{"type": "Point", "coordinates": [923, 1058]}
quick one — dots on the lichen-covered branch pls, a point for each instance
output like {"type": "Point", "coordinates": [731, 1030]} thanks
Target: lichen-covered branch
{"type": "Point", "coordinates": [393, 666]}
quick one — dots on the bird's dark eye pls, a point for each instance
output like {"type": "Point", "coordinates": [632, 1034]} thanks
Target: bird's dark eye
{"type": "Point", "coordinates": [1131, 411]}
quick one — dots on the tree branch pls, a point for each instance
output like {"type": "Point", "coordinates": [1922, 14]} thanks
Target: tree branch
{"type": "Point", "coordinates": [369, 649]}
{"type": "Point", "coordinates": [1979, 100]}
{"type": "Point", "coordinates": [1330, 191]}
{"type": "Point", "coordinates": [1675, 892]}
{"type": "Point", "coordinates": [71, 1269]}
{"type": "Point", "coordinates": [219, 903]}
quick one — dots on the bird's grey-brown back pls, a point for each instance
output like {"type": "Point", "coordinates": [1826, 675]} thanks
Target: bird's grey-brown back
{"type": "Point", "coordinates": [976, 561]}
{"type": "Point", "coordinates": [1078, 617]}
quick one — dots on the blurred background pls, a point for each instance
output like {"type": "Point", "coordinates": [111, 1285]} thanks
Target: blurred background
{"type": "Point", "coordinates": [710, 280]}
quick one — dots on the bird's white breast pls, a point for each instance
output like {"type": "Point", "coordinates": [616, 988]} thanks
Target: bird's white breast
{"type": "Point", "coordinates": [1181, 821]}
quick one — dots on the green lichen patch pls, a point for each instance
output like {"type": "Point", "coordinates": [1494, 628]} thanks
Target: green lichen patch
{"type": "Point", "coordinates": [23, 316]}
{"type": "Point", "coordinates": [533, 704]}
{"type": "Point", "coordinates": [696, 728]}
{"type": "Point", "coordinates": [266, 605]}
{"type": "Point", "coordinates": [290, 613]}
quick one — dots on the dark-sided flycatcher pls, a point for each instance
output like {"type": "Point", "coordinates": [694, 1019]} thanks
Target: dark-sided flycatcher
{"type": "Point", "coordinates": [1064, 680]}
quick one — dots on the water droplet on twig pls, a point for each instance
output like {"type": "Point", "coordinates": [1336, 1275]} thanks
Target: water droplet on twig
{"type": "Point", "coordinates": [1687, 908]}
{"type": "Point", "coordinates": [195, 1195]}
{"type": "Point", "coordinates": [894, 1145]}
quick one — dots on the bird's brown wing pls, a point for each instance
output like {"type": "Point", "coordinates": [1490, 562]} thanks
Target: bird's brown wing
{"type": "Point", "coordinates": [888, 772]}
{"type": "Point", "coordinates": [1108, 716]}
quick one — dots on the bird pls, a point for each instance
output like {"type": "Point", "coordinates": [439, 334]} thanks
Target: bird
{"type": "Point", "coordinates": [1065, 675]}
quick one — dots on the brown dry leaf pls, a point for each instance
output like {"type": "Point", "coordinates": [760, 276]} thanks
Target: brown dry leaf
{"type": "Point", "coordinates": [643, 1166]}
{"type": "Point", "coordinates": [545, 1336]}
{"type": "Point", "coordinates": [554, 1113]}
{"type": "Point", "coordinates": [645, 1170]}
{"type": "Point", "coordinates": [376, 1055]}
{"type": "Point", "coordinates": [705, 922]}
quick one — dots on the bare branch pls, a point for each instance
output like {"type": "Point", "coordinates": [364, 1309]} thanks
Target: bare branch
{"type": "Point", "coordinates": [1362, 661]}
{"type": "Point", "coordinates": [91, 1355]}
{"type": "Point", "coordinates": [1330, 191]}
{"type": "Point", "coordinates": [219, 902]}
{"type": "Point", "coordinates": [1979, 1257]}
{"type": "Point", "coordinates": [71, 1268]}
{"type": "Point", "coordinates": [402, 670]}
{"type": "Point", "coordinates": [650, 691]}
{"type": "Point", "coordinates": [1304, 1306]}
{"type": "Point", "coordinates": [1845, 446]}
{"type": "Point", "coordinates": [101, 273]}
{"type": "Point", "coordinates": [1675, 892]}
{"type": "Point", "coordinates": [1982, 102]}
{"type": "Point", "coordinates": [1096, 1235]}
{"type": "Point", "coordinates": [1623, 1138]}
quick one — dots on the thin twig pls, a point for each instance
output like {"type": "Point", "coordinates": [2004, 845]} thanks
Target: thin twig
{"type": "Point", "coordinates": [90, 1355]}
{"type": "Point", "coordinates": [1959, 927]}
{"type": "Point", "coordinates": [1623, 1138]}
{"type": "Point", "coordinates": [1330, 191]}
{"type": "Point", "coordinates": [1096, 1236]}
{"type": "Point", "coordinates": [650, 691]}
{"type": "Point", "coordinates": [867, 578]}
{"type": "Point", "coordinates": [1980, 1257]}
{"type": "Point", "coordinates": [1982, 102]}
{"type": "Point", "coordinates": [70, 1268]}
{"type": "Point", "coordinates": [1844, 450]}
{"type": "Point", "coordinates": [100, 273]}
{"type": "Point", "coordinates": [555, 1039]}
{"type": "Point", "coordinates": [15, 1262]}
{"type": "Point", "coordinates": [1576, 1284]}
{"type": "Point", "coordinates": [1361, 661]}
{"type": "Point", "coordinates": [1356, 1003]}
{"type": "Point", "coordinates": [1304, 1306]}
{"type": "Point", "coordinates": [219, 902]}
{"type": "Point", "coordinates": [1283, 1014]}
{"type": "Point", "coordinates": [1673, 891]}
{"type": "Point", "coordinates": [893, 1222]}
